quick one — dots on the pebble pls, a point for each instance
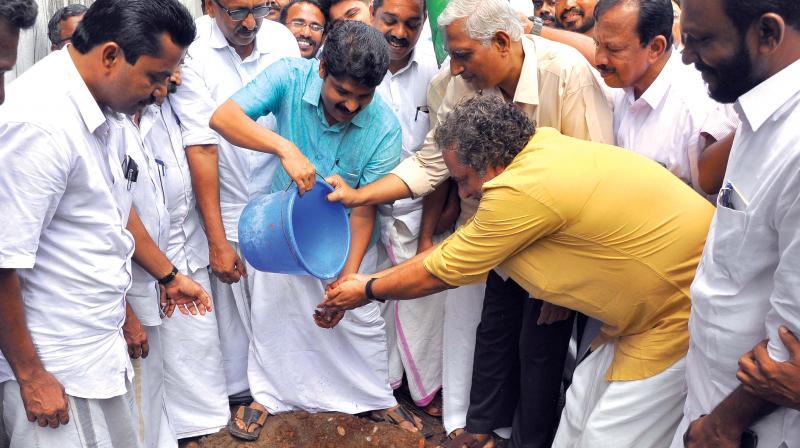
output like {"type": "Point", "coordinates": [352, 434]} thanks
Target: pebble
{"type": "Point", "coordinates": [341, 430]}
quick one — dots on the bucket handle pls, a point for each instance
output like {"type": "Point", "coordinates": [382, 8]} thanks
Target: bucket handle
{"type": "Point", "coordinates": [291, 181]}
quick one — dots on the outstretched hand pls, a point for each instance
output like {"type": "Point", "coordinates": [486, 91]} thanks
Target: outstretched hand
{"type": "Point", "coordinates": [346, 293]}
{"type": "Point", "coordinates": [187, 295]}
{"type": "Point", "coordinates": [343, 192]}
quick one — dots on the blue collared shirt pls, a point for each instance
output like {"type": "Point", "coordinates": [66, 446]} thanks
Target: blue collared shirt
{"type": "Point", "coordinates": [360, 151]}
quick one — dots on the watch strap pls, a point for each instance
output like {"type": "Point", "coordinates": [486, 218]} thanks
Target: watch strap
{"type": "Point", "coordinates": [368, 291]}
{"type": "Point", "coordinates": [538, 24]}
{"type": "Point", "coordinates": [169, 277]}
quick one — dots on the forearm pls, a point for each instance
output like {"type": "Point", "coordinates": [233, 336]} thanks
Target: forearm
{"type": "Point", "coordinates": [235, 126]}
{"type": "Point", "coordinates": [409, 280]}
{"type": "Point", "coordinates": [387, 189]}
{"type": "Point", "coordinates": [584, 44]}
{"type": "Point", "coordinates": [147, 254]}
{"type": "Point", "coordinates": [16, 343]}
{"type": "Point", "coordinates": [740, 410]}
{"type": "Point", "coordinates": [362, 223]}
{"type": "Point", "coordinates": [712, 164]}
{"type": "Point", "coordinates": [204, 166]}
{"type": "Point", "coordinates": [432, 206]}
{"type": "Point", "coordinates": [420, 257]}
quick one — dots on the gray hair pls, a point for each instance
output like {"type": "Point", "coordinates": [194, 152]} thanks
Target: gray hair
{"type": "Point", "coordinates": [54, 25]}
{"type": "Point", "coordinates": [21, 14]}
{"type": "Point", "coordinates": [485, 131]}
{"type": "Point", "coordinates": [484, 18]}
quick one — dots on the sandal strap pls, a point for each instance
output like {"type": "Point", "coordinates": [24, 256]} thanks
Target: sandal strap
{"type": "Point", "coordinates": [399, 415]}
{"type": "Point", "coordinates": [248, 416]}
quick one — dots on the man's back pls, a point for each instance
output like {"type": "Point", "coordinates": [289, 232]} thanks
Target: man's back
{"type": "Point", "coordinates": [599, 230]}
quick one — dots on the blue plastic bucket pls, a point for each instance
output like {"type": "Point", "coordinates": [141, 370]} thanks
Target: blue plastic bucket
{"type": "Point", "coordinates": [285, 233]}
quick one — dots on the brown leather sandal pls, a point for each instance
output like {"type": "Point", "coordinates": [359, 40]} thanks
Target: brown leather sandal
{"type": "Point", "coordinates": [247, 416]}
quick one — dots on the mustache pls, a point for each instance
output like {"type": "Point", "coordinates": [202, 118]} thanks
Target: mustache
{"type": "Point", "coordinates": [306, 40]}
{"type": "Point", "coordinates": [240, 29]}
{"type": "Point", "coordinates": [575, 10]}
{"type": "Point", "coordinates": [605, 68]}
{"type": "Point", "coordinates": [172, 87]}
{"type": "Point", "coordinates": [346, 111]}
{"type": "Point", "coordinates": [703, 68]}
{"type": "Point", "coordinates": [396, 41]}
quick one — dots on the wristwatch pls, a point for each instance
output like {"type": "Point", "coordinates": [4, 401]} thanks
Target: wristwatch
{"type": "Point", "coordinates": [538, 24]}
{"type": "Point", "coordinates": [368, 291]}
{"type": "Point", "coordinates": [169, 277]}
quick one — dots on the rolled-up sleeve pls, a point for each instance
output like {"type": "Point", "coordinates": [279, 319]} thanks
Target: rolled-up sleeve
{"type": "Point", "coordinates": [194, 104]}
{"type": "Point", "coordinates": [507, 222]}
{"type": "Point", "coordinates": [263, 94]}
{"type": "Point", "coordinates": [33, 180]}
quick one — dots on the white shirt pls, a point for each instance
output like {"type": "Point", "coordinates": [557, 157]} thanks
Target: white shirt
{"type": "Point", "coordinates": [667, 122]}
{"type": "Point", "coordinates": [65, 205]}
{"type": "Point", "coordinates": [187, 247]}
{"type": "Point", "coordinates": [406, 93]}
{"type": "Point", "coordinates": [149, 200]}
{"type": "Point", "coordinates": [748, 281]}
{"type": "Point", "coordinates": [212, 73]}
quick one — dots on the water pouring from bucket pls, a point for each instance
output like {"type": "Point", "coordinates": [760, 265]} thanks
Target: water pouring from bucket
{"type": "Point", "coordinates": [285, 233]}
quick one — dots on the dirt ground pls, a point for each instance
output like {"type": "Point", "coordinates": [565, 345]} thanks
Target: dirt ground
{"type": "Point", "coordinates": [335, 430]}
{"type": "Point", "coordinates": [323, 430]}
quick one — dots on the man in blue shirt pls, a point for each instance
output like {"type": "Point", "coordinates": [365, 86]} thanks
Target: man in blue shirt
{"type": "Point", "coordinates": [328, 110]}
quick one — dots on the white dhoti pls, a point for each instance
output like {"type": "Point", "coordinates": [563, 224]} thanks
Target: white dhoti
{"type": "Point", "coordinates": [415, 328]}
{"type": "Point", "coordinates": [150, 404]}
{"type": "Point", "coordinates": [295, 365]}
{"type": "Point", "coordinates": [195, 387]}
{"type": "Point", "coordinates": [232, 307]}
{"type": "Point", "coordinates": [107, 423]}
{"type": "Point", "coordinates": [621, 414]}
{"type": "Point", "coordinates": [462, 314]}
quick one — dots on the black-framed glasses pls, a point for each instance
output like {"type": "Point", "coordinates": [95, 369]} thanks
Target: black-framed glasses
{"type": "Point", "coordinates": [537, 4]}
{"type": "Point", "coordinates": [240, 14]}
{"type": "Point", "coordinates": [300, 24]}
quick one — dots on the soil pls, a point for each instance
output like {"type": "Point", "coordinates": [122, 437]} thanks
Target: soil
{"type": "Point", "coordinates": [326, 430]}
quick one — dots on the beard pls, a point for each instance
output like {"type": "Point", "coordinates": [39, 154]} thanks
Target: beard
{"type": "Point", "coordinates": [734, 76]}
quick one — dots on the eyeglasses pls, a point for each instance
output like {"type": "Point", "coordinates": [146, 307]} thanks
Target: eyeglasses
{"type": "Point", "coordinates": [300, 23]}
{"type": "Point", "coordinates": [537, 4]}
{"type": "Point", "coordinates": [240, 14]}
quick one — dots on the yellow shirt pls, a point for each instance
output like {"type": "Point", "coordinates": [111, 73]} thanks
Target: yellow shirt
{"type": "Point", "coordinates": [593, 228]}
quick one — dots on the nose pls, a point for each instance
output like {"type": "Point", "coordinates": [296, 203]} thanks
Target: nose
{"type": "Point", "coordinates": [570, 4]}
{"type": "Point", "coordinates": [249, 22]}
{"type": "Point", "coordinates": [689, 55]}
{"type": "Point", "coordinates": [400, 32]}
{"type": "Point", "coordinates": [600, 56]}
{"type": "Point", "coordinates": [351, 105]}
{"type": "Point", "coordinates": [456, 68]}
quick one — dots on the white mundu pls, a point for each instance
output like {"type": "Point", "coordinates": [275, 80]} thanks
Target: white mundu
{"type": "Point", "coordinates": [195, 389]}
{"type": "Point", "coordinates": [747, 283]}
{"type": "Point", "coordinates": [212, 72]}
{"type": "Point", "coordinates": [143, 297]}
{"type": "Point", "coordinates": [677, 96]}
{"type": "Point", "coordinates": [296, 365]}
{"type": "Point", "coordinates": [65, 205]}
{"type": "Point", "coordinates": [414, 327]}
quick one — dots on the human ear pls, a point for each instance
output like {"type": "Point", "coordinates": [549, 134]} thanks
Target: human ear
{"type": "Point", "coordinates": [770, 29]}
{"type": "Point", "coordinates": [502, 41]}
{"type": "Point", "coordinates": [111, 54]}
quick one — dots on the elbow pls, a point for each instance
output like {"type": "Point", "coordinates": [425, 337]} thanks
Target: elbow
{"type": "Point", "coordinates": [221, 116]}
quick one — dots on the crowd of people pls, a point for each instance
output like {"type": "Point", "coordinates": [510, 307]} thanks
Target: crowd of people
{"type": "Point", "coordinates": [579, 230]}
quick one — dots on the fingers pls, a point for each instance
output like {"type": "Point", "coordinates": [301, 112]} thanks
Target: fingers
{"type": "Point", "coordinates": [134, 350]}
{"type": "Point", "coordinates": [145, 349]}
{"type": "Point", "coordinates": [240, 267]}
{"type": "Point", "coordinates": [790, 341]}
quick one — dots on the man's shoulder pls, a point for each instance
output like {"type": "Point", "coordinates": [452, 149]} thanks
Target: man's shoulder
{"type": "Point", "coordinates": [39, 96]}
{"type": "Point", "coordinates": [275, 38]}
{"type": "Point", "coordinates": [561, 59]}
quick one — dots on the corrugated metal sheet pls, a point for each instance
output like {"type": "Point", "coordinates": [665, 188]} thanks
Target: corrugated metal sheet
{"type": "Point", "coordinates": [33, 43]}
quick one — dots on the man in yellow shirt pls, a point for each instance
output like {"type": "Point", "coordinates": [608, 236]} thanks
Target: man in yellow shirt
{"type": "Point", "coordinates": [583, 225]}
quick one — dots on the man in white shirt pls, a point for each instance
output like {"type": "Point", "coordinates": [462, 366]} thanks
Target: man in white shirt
{"type": "Point", "coordinates": [194, 380]}
{"type": "Point", "coordinates": [237, 45]}
{"type": "Point", "coordinates": [747, 286]}
{"type": "Point", "coordinates": [65, 255]}
{"type": "Point", "coordinates": [414, 333]}
{"type": "Point", "coordinates": [653, 88]}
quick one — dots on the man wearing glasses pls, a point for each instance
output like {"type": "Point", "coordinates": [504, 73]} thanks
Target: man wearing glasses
{"type": "Point", "coordinates": [236, 46]}
{"type": "Point", "coordinates": [306, 20]}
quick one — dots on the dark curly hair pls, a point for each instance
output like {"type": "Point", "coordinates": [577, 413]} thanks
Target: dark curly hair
{"type": "Point", "coordinates": [485, 131]}
{"type": "Point", "coordinates": [21, 14]}
{"type": "Point", "coordinates": [357, 52]}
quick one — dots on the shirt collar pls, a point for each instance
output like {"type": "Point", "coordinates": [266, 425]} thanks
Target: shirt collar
{"type": "Point", "coordinates": [91, 113]}
{"type": "Point", "coordinates": [528, 86]}
{"type": "Point", "coordinates": [414, 59]}
{"type": "Point", "coordinates": [764, 100]}
{"type": "Point", "coordinates": [655, 94]}
{"type": "Point", "coordinates": [217, 39]}
{"type": "Point", "coordinates": [313, 96]}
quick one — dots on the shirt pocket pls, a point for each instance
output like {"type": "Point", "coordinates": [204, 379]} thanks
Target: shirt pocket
{"type": "Point", "coordinates": [728, 239]}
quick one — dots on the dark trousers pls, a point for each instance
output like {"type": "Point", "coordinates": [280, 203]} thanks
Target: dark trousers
{"type": "Point", "coordinates": [516, 378]}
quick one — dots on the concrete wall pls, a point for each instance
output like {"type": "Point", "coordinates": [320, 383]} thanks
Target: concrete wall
{"type": "Point", "coordinates": [33, 43]}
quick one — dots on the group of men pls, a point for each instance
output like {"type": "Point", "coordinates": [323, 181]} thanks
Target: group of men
{"type": "Point", "coordinates": [546, 192]}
